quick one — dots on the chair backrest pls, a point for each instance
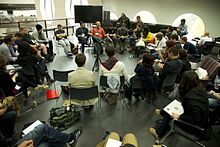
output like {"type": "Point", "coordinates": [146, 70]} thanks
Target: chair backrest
{"type": "Point", "coordinates": [208, 45]}
{"type": "Point", "coordinates": [169, 81]}
{"type": "Point", "coordinates": [83, 94]}
{"type": "Point", "coordinates": [103, 81]}
{"type": "Point", "coordinates": [61, 76]}
{"type": "Point", "coordinates": [137, 83]}
{"type": "Point", "coordinates": [211, 65]}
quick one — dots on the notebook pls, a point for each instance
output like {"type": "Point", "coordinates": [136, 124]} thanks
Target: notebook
{"type": "Point", "coordinates": [31, 127]}
{"type": "Point", "coordinates": [113, 143]}
{"type": "Point", "coordinates": [174, 107]}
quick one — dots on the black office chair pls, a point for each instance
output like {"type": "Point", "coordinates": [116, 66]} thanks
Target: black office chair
{"type": "Point", "coordinates": [168, 84]}
{"type": "Point", "coordinates": [205, 134]}
{"type": "Point", "coordinates": [207, 47]}
{"type": "Point", "coordinates": [61, 77]}
{"type": "Point", "coordinates": [104, 85]}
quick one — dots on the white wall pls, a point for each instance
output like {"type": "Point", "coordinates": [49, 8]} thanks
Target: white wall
{"type": "Point", "coordinates": [17, 1]}
{"type": "Point", "coordinates": [166, 11]}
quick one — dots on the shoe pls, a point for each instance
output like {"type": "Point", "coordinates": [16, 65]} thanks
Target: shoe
{"type": "Point", "coordinates": [75, 136]}
{"type": "Point", "coordinates": [154, 133]}
{"type": "Point", "coordinates": [157, 111]}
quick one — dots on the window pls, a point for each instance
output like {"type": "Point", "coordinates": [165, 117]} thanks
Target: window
{"type": "Point", "coordinates": [146, 17]}
{"type": "Point", "coordinates": [69, 7]}
{"type": "Point", "coordinates": [47, 9]}
{"type": "Point", "coordinates": [196, 27]}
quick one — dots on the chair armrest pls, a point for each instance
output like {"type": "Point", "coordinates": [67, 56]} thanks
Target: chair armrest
{"type": "Point", "coordinates": [188, 124]}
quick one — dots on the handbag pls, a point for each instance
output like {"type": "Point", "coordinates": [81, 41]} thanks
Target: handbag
{"type": "Point", "coordinates": [52, 93]}
{"type": "Point", "coordinates": [140, 42]}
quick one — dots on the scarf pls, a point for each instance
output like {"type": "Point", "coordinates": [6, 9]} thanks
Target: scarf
{"type": "Point", "coordinates": [110, 63]}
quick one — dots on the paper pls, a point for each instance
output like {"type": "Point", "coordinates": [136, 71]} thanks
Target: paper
{"type": "Point", "coordinates": [113, 143]}
{"type": "Point", "coordinates": [202, 73]}
{"type": "Point", "coordinates": [174, 107]}
{"type": "Point", "coordinates": [31, 127]}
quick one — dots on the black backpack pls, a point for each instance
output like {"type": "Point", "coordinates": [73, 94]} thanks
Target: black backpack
{"type": "Point", "coordinates": [61, 118]}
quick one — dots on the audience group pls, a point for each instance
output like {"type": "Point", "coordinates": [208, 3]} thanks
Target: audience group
{"type": "Point", "coordinates": [158, 70]}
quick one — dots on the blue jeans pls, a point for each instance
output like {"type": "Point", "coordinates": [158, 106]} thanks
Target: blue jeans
{"type": "Point", "coordinates": [45, 136]}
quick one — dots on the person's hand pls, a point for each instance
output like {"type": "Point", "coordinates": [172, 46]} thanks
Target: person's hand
{"type": "Point", "coordinates": [175, 116]}
{"type": "Point", "coordinates": [160, 65]}
{"type": "Point", "coordinates": [2, 109]}
{"type": "Point", "coordinates": [14, 77]}
{"type": "Point", "coordinates": [28, 143]}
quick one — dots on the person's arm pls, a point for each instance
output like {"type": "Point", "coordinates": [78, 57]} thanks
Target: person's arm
{"type": "Point", "coordinates": [164, 72]}
{"type": "Point", "coordinates": [26, 143]}
{"type": "Point", "coordinates": [216, 95]}
{"type": "Point", "coordinates": [103, 33]}
{"type": "Point", "coordinates": [124, 71]}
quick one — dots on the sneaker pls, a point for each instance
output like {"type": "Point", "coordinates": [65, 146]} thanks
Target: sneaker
{"type": "Point", "coordinates": [154, 133]}
{"type": "Point", "coordinates": [74, 136]}
{"type": "Point", "coordinates": [157, 111]}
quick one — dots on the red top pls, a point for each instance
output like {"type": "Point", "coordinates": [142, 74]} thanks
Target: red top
{"type": "Point", "coordinates": [98, 32]}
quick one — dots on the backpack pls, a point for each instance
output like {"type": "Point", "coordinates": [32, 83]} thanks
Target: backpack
{"type": "Point", "coordinates": [61, 118]}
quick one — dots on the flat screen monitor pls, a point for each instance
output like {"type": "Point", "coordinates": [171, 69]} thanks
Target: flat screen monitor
{"type": "Point", "coordinates": [88, 14]}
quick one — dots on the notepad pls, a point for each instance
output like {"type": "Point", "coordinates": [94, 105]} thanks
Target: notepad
{"type": "Point", "coordinates": [31, 127]}
{"type": "Point", "coordinates": [113, 143]}
{"type": "Point", "coordinates": [174, 107]}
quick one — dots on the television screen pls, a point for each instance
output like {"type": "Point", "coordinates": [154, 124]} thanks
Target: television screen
{"type": "Point", "coordinates": [88, 14]}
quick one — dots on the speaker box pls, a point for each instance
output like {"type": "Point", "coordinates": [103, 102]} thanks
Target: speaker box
{"type": "Point", "coordinates": [106, 16]}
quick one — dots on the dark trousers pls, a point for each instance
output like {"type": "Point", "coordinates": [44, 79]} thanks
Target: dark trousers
{"type": "Point", "coordinates": [45, 136]}
{"type": "Point", "coordinates": [7, 123]}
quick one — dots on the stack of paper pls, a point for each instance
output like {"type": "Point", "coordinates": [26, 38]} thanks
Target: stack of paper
{"type": "Point", "coordinates": [113, 143]}
{"type": "Point", "coordinates": [174, 107]}
{"type": "Point", "coordinates": [31, 127]}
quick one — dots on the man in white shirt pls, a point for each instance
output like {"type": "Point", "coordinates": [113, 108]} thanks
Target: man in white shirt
{"type": "Point", "coordinates": [204, 39]}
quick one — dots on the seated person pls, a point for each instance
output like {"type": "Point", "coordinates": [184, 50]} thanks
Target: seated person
{"type": "Point", "coordinates": [98, 34]}
{"type": "Point", "coordinates": [43, 135]}
{"type": "Point", "coordinates": [147, 35]}
{"type": "Point", "coordinates": [145, 71]}
{"type": "Point", "coordinates": [124, 19]}
{"type": "Point", "coordinates": [39, 35]}
{"type": "Point", "coordinates": [113, 65]}
{"type": "Point", "coordinates": [82, 78]}
{"type": "Point", "coordinates": [195, 105]}
{"type": "Point", "coordinates": [134, 37]}
{"type": "Point", "coordinates": [129, 140]}
{"type": "Point", "coordinates": [203, 39]}
{"type": "Point", "coordinates": [175, 38]}
{"type": "Point", "coordinates": [182, 28]}
{"type": "Point", "coordinates": [7, 124]}
{"type": "Point", "coordinates": [122, 34]}
{"type": "Point", "coordinates": [61, 38]}
{"type": "Point", "coordinates": [191, 49]}
{"type": "Point", "coordinates": [138, 22]}
{"type": "Point", "coordinates": [6, 48]}
{"type": "Point", "coordinates": [82, 35]}
{"type": "Point", "coordinates": [111, 34]}
{"type": "Point", "coordinates": [171, 67]}
{"type": "Point", "coordinates": [31, 40]}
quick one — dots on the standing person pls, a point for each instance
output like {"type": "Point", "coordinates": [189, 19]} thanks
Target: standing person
{"type": "Point", "coordinates": [138, 22]}
{"type": "Point", "coordinates": [61, 38]}
{"type": "Point", "coordinates": [124, 19]}
{"type": "Point", "coordinates": [182, 28]}
{"type": "Point", "coordinates": [82, 35]}
{"type": "Point", "coordinates": [122, 34]}
{"type": "Point", "coordinates": [195, 105]}
{"type": "Point", "coordinates": [98, 34]}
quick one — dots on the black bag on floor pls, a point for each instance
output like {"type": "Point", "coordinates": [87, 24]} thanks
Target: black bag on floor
{"type": "Point", "coordinates": [61, 118]}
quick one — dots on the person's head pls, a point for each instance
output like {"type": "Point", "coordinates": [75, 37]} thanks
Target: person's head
{"type": "Point", "coordinates": [170, 43]}
{"type": "Point", "coordinates": [80, 60]}
{"type": "Point", "coordinates": [173, 52]}
{"type": "Point", "coordinates": [17, 36]}
{"type": "Point", "coordinates": [159, 36]}
{"type": "Point", "coordinates": [39, 28]}
{"type": "Point", "coordinates": [189, 80]}
{"type": "Point", "coordinates": [146, 30]}
{"type": "Point", "coordinates": [182, 21]}
{"type": "Point", "coordinates": [206, 34]}
{"type": "Point", "coordinates": [3, 62]}
{"type": "Point", "coordinates": [182, 54]}
{"type": "Point", "coordinates": [123, 25]}
{"type": "Point", "coordinates": [183, 39]}
{"type": "Point", "coordinates": [138, 18]}
{"type": "Point", "coordinates": [8, 40]}
{"type": "Point", "coordinates": [59, 27]}
{"type": "Point", "coordinates": [110, 26]}
{"type": "Point", "coordinates": [123, 15]}
{"type": "Point", "coordinates": [110, 51]}
{"type": "Point", "coordinates": [82, 24]}
{"type": "Point", "coordinates": [98, 24]}
{"type": "Point", "coordinates": [24, 47]}
{"type": "Point", "coordinates": [174, 37]}
{"type": "Point", "coordinates": [148, 60]}
{"type": "Point", "coordinates": [24, 30]}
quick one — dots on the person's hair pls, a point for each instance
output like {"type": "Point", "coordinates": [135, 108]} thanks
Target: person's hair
{"type": "Point", "coordinates": [110, 25]}
{"type": "Point", "coordinates": [123, 24]}
{"type": "Point", "coordinates": [189, 80]}
{"type": "Point", "coordinates": [81, 22]}
{"type": "Point", "coordinates": [17, 35]}
{"type": "Point", "coordinates": [183, 20]}
{"type": "Point", "coordinates": [174, 51]}
{"type": "Point", "coordinates": [206, 34]}
{"type": "Point", "coordinates": [80, 60]}
{"type": "Point", "coordinates": [159, 35]}
{"type": "Point", "coordinates": [22, 28]}
{"type": "Point", "coordinates": [110, 51]}
{"type": "Point", "coordinates": [183, 54]}
{"type": "Point", "coordinates": [3, 62]}
{"type": "Point", "coordinates": [38, 27]}
{"type": "Point", "coordinates": [174, 36]}
{"type": "Point", "coordinates": [184, 38]}
{"type": "Point", "coordinates": [148, 60]}
{"type": "Point", "coordinates": [59, 25]}
{"type": "Point", "coordinates": [8, 39]}
{"type": "Point", "coordinates": [138, 17]}
{"type": "Point", "coordinates": [170, 43]}
{"type": "Point", "coordinates": [146, 30]}
{"type": "Point", "coordinates": [24, 47]}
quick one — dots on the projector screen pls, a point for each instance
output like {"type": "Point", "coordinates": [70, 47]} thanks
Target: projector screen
{"type": "Point", "coordinates": [88, 14]}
